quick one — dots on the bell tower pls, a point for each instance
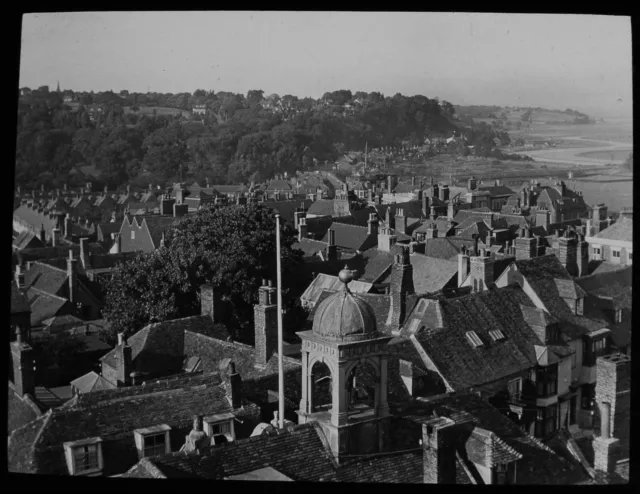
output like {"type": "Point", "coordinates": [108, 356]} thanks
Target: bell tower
{"type": "Point", "coordinates": [344, 343]}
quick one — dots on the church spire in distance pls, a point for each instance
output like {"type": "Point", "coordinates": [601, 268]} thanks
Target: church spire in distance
{"type": "Point", "coordinates": [58, 87]}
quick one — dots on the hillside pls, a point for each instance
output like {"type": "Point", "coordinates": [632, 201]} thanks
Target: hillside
{"type": "Point", "coordinates": [517, 117]}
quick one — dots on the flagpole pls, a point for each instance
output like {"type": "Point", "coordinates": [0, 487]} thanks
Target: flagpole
{"type": "Point", "coordinates": [280, 358]}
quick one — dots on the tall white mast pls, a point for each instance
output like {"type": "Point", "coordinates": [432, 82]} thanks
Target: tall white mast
{"type": "Point", "coordinates": [280, 357]}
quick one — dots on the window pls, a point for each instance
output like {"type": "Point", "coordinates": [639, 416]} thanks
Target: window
{"type": "Point", "coordinates": [599, 347]}
{"type": "Point", "coordinates": [133, 235]}
{"type": "Point", "coordinates": [153, 441]}
{"type": "Point", "coordinates": [597, 252]}
{"type": "Point", "coordinates": [474, 339]}
{"type": "Point", "coordinates": [546, 423]}
{"type": "Point", "coordinates": [220, 428]}
{"type": "Point", "coordinates": [615, 253]}
{"type": "Point", "coordinates": [155, 445]}
{"type": "Point", "coordinates": [588, 396]}
{"type": "Point", "coordinates": [501, 473]}
{"type": "Point", "coordinates": [618, 316]}
{"type": "Point", "coordinates": [630, 256]}
{"type": "Point", "coordinates": [84, 457]}
{"type": "Point", "coordinates": [547, 380]}
{"type": "Point", "coordinates": [580, 307]}
{"type": "Point", "coordinates": [515, 388]}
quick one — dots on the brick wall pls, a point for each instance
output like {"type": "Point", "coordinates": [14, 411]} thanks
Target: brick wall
{"type": "Point", "coordinates": [613, 374]}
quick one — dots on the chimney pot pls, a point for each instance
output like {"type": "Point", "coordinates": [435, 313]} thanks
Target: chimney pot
{"type": "Point", "coordinates": [120, 339]}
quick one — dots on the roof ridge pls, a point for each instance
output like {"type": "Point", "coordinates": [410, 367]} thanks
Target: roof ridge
{"type": "Point", "coordinates": [48, 294]}
{"type": "Point", "coordinates": [40, 263]}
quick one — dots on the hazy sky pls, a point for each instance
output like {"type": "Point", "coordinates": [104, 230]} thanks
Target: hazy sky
{"type": "Point", "coordinates": [553, 61]}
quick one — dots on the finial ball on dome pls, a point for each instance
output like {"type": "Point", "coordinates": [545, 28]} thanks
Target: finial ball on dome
{"type": "Point", "coordinates": [345, 275]}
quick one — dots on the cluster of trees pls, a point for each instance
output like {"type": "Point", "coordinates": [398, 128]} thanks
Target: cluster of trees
{"type": "Point", "coordinates": [230, 247]}
{"type": "Point", "coordinates": [240, 138]}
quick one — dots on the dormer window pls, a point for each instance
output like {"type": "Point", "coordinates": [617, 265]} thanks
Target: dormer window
{"type": "Point", "coordinates": [220, 428]}
{"type": "Point", "coordinates": [496, 335]}
{"type": "Point", "coordinates": [84, 457]}
{"type": "Point", "coordinates": [474, 339]}
{"type": "Point", "coordinates": [153, 441]}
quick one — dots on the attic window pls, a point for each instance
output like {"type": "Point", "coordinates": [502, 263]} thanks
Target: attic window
{"type": "Point", "coordinates": [220, 428]}
{"type": "Point", "coordinates": [133, 235]}
{"type": "Point", "coordinates": [496, 335]}
{"type": "Point", "coordinates": [153, 441]}
{"type": "Point", "coordinates": [474, 339]}
{"type": "Point", "coordinates": [84, 457]}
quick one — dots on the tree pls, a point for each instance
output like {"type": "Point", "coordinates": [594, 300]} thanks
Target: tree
{"type": "Point", "coordinates": [255, 96]}
{"type": "Point", "coordinates": [59, 351]}
{"type": "Point", "coordinates": [231, 247]}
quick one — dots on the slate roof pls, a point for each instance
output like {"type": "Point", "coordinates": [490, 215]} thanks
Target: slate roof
{"type": "Point", "coordinates": [616, 284]}
{"type": "Point", "coordinates": [410, 209]}
{"type": "Point", "coordinates": [20, 409]}
{"type": "Point", "coordinates": [331, 283]}
{"type": "Point", "coordinates": [310, 247]}
{"type": "Point", "coordinates": [60, 323]}
{"type": "Point", "coordinates": [156, 225]}
{"type": "Point", "coordinates": [19, 302]}
{"type": "Point", "coordinates": [286, 209]}
{"type": "Point", "coordinates": [92, 382]}
{"type": "Point", "coordinates": [34, 218]}
{"type": "Point", "coordinates": [497, 190]}
{"type": "Point", "coordinates": [430, 274]}
{"type": "Point", "coordinates": [321, 207]}
{"type": "Point", "coordinates": [352, 237]}
{"type": "Point", "coordinates": [299, 453]}
{"type": "Point", "coordinates": [461, 364]}
{"type": "Point", "coordinates": [60, 251]}
{"type": "Point", "coordinates": [44, 305]}
{"type": "Point", "coordinates": [26, 239]}
{"type": "Point", "coordinates": [446, 247]}
{"type": "Point", "coordinates": [620, 230]}
{"type": "Point", "coordinates": [377, 264]}
{"type": "Point", "coordinates": [279, 185]}
{"type": "Point", "coordinates": [105, 230]}
{"type": "Point", "coordinates": [45, 278]}
{"type": "Point", "coordinates": [113, 415]}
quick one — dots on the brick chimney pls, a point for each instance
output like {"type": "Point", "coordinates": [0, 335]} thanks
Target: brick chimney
{"type": "Point", "coordinates": [613, 397]}
{"type": "Point", "coordinates": [568, 253]}
{"type": "Point", "coordinates": [386, 240]}
{"type": "Point", "coordinates": [432, 231]}
{"type": "Point", "coordinates": [372, 223]}
{"type": "Point", "coordinates": [72, 270]}
{"type": "Point", "coordinates": [302, 228]}
{"type": "Point", "coordinates": [116, 244]}
{"type": "Point", "coordinates": [266, 323]}
{"type": "Point", "coordinates": [450, 212]}
{"type": "Point", "coordinates": [19, 278]}
{"type": "Point", "coordinates": [55, 237]}
{"type": "Point", "coordinates": [232, 383]}
{"type": "Point", "coordinates": [525, 245]}
{"type": "Point", "coordinates": [332, 248]}
{"type": "Point", "coordinates": [438, 451]}
{"type": "Point", "coordinates": [583, 256]}
{"type": "Point", "coordinates": [124, 361]}
{"type": "Point", "coordinates": [463, 266]}
{"type": "Point", "coordinates": [543, 218]}
{"type": "Point", "coordinates": [23, 365]}
{"type": "Point", "coordinates": [444, 193]}
{"type": "Point", "coordinates": [84, 253]}
{"type": "Point", "coordinates": [472, 183]}
{"type": "Point", "coordinates": [401, 221]}
{"type": "Point", "coordinates": [481, 271]}
{"type": "Point", "coordinates": [208, 301]}
{"type": "Point", "coordinates": [401, 281]}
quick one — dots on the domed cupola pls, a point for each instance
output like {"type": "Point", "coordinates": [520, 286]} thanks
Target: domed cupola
{"type": "Point", "coordinates": [343, 316]}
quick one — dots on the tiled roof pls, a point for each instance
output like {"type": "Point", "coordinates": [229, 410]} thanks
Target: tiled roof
{"type": "Point", "coordinates": [403, 188]}
{"type": "Point", "coordinates": [45, 278]}
{"type": "Point", "coordinates": [620, 230]}
{"type": "Point", "coordinates": [352, 237]}
{"type": "Point", "coordinates": [331, 283]}
{"type": "Point", "coordinates": [321, 207]}
{"type": "Point", "coordinates": [299, 453]}
{"type": "Point", "coordinates": [410, 209]}
{"type": "Point", "coordinates": [34, 218]}
{"type": "Point", "coordinates": [377, 264]}
{"type": "Point", "coordinates": [113, 415]}
{"type": "Point", "coordinates": [19, 302]}
{"type": "Point", "coordinates": [538, 465]}
{"type": "Point", "coordinates": [286, 209]}
{"type": "Point", "coordinates": [20, 409]}
{"type": "Point", "coordinates": [108, 228]}
{"type": "Point", "coordinates": [429, 274]}
{"type": "Point", "coordinates": [279, 185]}
{"type": "Point", "coordinates": [497, 190]}
{"type": "Point", "coordinates": [157, 225]}
{"type": "Point", "coordinates": [460, 363]}
{"type": "Point", "coordinates": [60, 323]}
{"type": "Point", "coordinates": [615, 283]}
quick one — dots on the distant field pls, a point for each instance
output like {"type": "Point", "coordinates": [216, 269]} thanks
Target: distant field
{"type": "Point", "coordinates": [616, 154]}
{"type": "Point", "coordinates": [160, 110]}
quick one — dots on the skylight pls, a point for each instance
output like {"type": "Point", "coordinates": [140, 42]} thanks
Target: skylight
{"type": "Point", "coordinates": [474, 339]}
{"type": "Point", "coordinates": [496, 335]}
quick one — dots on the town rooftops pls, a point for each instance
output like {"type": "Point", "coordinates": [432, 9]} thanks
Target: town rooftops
{"type": "Point", "coordinates": [429, 274]}
{"type": "Point", "coordinates": [352, 237]}
{"type": "Point", "coordinates": [91, 382]}
{"type": "Point", "coordinates": [27, 239]}
{"type": "Point", "coordinates": [330, 283]}
{"type": "Point", "coordinates": [19, 302]}
{"type": "Point", "coordinates": [44, 305]}
{"type": "Point", "coordinates": [446, 247]}
{"type": "Point", "coordinates": [310, 247]}
{"type": "Point", "coordinates": [112, 416]}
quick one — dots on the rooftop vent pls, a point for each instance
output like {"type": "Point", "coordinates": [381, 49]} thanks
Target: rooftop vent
{"type": "Point", "coordinates": [474, 339]}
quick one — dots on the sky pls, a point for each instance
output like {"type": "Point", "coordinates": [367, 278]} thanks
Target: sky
{"type": "Point", "coordinates": [549, 60]}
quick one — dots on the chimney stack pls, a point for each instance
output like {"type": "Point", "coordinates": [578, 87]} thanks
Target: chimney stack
{"type": "Point", "coordinates": [525, 245]}
{"type": "Point", "coordinates": [463, 266]}
{"type": "Point", "coordinates": [84, 253]}
{"type": "Point", "coordinates": [180, 210]}
{"type": "Point", "coordinates": [19, 277]}
{"type": "Point", "coordinates": [444, 193]}
{"type": "Point", "coordinates": [266, 323]}
{"type": "Point", "coordinates": [568, 253]}
{"type": "Point", "coordinates": [71, 274]}
{"type": "Point", "coordinates": [123, 361]}
{"type": "Point", "coordinates": [438, 451]}
{"type": "Point", "coordinates": [400, 221]}
{"type": "Point", "coordinates": [116, 244]}
{"type": "Point", "coordinates": [450, 211]}
{"type": "Point", "coordinates": [332, 249]}
{"type": "Point", "coordinates": [401, 281]}
{"type": "Point", "coordinates": [55, 237]}
{"type": "Point", "coordinates": [433, 214]}
{"type": "Point", "coordinates": [302, 228]}
{"type": "Point", "coordinates": [208, 301]}
{"type": "Point", "coordinates": [543, 218]}
{"type": "Point", "coordinates": [432, 231]}
{"type": "Point", "coordinates": [23, 365]}
{"type": "Point", "coordinates": [481, 271]}
{"type": "Point", "coordinates": [472, 183]}
{"type": "Point", "coordinates": [232, 383]}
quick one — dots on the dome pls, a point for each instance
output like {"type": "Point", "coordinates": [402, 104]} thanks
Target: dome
{"type": "Point", "coordinates": [345, 316]}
